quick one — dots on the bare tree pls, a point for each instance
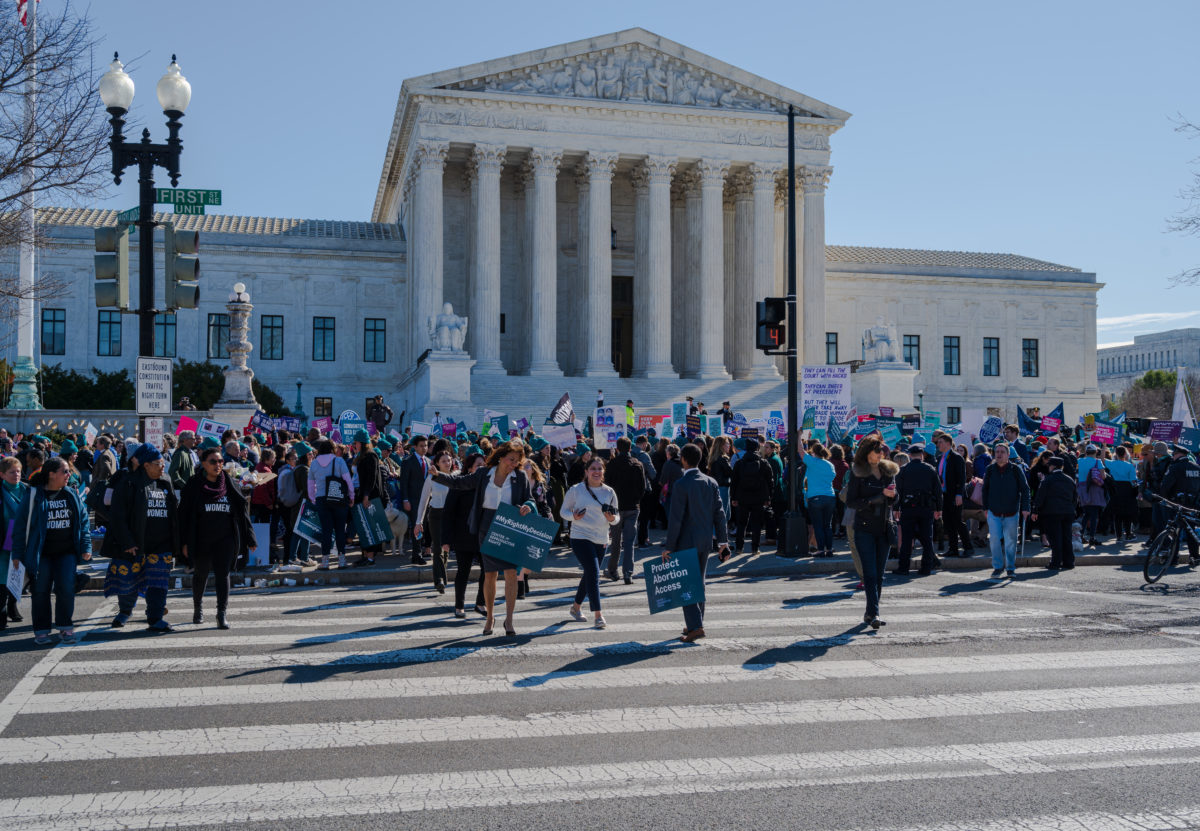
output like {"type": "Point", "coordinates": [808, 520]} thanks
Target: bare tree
{"type": "Point", "coordinates": [63, 149]}
{"type": "Point", "coordinates": [1187, 221]}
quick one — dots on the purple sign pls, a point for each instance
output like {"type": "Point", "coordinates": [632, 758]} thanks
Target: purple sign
{"type": "Point", "coordinates": [1165, 430]}
{"type": "Point", "coordinates": [325, 425]}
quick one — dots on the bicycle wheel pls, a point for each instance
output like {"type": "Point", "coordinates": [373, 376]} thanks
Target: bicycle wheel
{"type": "Point", "coordinates": [1160, 556]}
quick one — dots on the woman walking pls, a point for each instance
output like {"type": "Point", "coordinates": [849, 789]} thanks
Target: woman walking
{"type": "Point", "coordinates": [500, 481]}
{"type": "Point", "coordinates": [429, 517]}
{"type": "Point", "coordinates": [456, 516]}
{"type": "Point", "coordinates": [592, 507]}
{"type": "Point", "coordinates": [51, 537]}
{"type": "Point", "coordinates": [215, 528]}
{"type": "Point", "coordinates": [870, 492]}
{"type": "Point", "coordinates": [13, 491]}
{"type": "Point", "coordinates": [331, 490]}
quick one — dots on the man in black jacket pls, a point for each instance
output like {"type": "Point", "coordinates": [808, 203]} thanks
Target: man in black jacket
{"type": "Point", "coordinates": [750, 494]}
{"type": "Point", "coordinates": [919, 496]}
{"type": "Point", "coordinates": [1054, 508]}
{"type": "Point", "coordinates": [1181, 485]}
{"type": "Point", "coordinates": [1006, 501]}
{"type": "Point", "coordinates": [625, 475]}
{"type": "Point", "coordinates": [952, 471]}
{"type": "Point", "coordinates": [413, 471]}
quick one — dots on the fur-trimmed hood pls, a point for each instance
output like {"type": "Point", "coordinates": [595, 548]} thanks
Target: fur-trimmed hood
{"type": "Point", "coordinates": [886, 467]}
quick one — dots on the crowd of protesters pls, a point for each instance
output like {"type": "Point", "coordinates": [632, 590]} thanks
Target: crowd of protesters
{"type": "Point", "coordinates": [193, 504]}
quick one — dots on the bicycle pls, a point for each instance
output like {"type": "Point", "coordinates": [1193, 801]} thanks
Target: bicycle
{"type": "Point", "coordinates": [1164, 550]}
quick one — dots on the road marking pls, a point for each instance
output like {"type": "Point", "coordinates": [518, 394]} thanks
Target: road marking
{"type": "Point", "coordinates": [365, 796]}
{"type": "Point", "coordinates": [442, 685]}
{"type": "Point", "coordinates": [143, 744]}
{"type": "Point", "coordinates": [506, 650]}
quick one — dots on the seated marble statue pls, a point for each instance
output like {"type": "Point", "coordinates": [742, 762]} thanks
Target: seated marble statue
{"type": "Point", "coordinates": [448, 331]}
{"type": "Point", "coordinates": [880, 342]}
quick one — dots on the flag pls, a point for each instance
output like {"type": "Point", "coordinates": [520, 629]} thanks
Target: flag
{"type": "Point", "coordinates": [23, 11]}
{"type": "Point", "coordinates": [1027, 424]}
{"type": "Point", "coordinates": [1181, 410]}
{"type": "Point", "coordinates": [1119, 419]}
{"type": "Point", "coordinates": [563, 412]}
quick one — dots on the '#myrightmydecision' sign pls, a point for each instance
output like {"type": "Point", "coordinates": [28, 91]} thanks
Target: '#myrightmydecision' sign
{"type": "Point", "coordinates": [523, 541]}
{"type": "Point", "coordinates": [153, 386]}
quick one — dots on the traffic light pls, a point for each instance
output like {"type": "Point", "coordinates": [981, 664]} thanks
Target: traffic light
{"type": "Point", "coordinates": [771, 334]}
{"type": "Point", "coordinates": [112, 267]}
{"type": "Point", "coordinates": [181, 275]}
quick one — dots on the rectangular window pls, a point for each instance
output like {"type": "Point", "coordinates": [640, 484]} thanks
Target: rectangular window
{"type": "Point", "coordinates": [831, 356]}
{"type": "Point", "coordinates": [164, 335]}
{"type": "Point", "coordinates": [1029, 357]}
{"type": "Point", "coordinates": [271, 342]}
{"type": "Point", "coordinates": [323, 339]}
{"type": "Point", "coordinates": [991, 356]}
{"type": "Point", "coordinates": [322, 408]}
{"type": "Point", "coordinates": [950, 355]}
{"type": "Point", "coordinates": [218, 336]}
{"type": "Point", "coordinates": [108, 334]}
{"type": "Point", "coordinates": [953, 415]}
{"type": "Point", "coordinates": [375, 340]}
{"type": "Point", "coordinates": [912, 351]}
{"type": "Point", "coordinates": [54, 331]}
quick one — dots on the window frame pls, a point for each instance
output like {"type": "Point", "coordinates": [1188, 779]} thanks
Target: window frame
{"type": "Point", "coordinates": [58, 339]}
{"type": "Point", "coordinates": [266, 354]}
{"type": "Point", "coordinates": [831, 339]}
{"type": "Point", "coordinates": [948, 349]}
{"type": "Point", "coordinates": [166, 323]}
{"type": "Point", "coordinates": [916, 347]}
{"type": "Point", "coordinates": [1029, 345]}
{"type": "Point", "coordinates": [328, 338]}
{"type": "Point", "coordinates": [222, 345]}
{"type": "Point", "coordinates": [991, 355]}
{"type": "Point", "coordinates": [323, 406]}
{"type": "Point", "coordinates": [377, 337]}
{"type": "Point", "coordinates": [953, 415]}
{"type": "Point", "coordinates": [110, 321]}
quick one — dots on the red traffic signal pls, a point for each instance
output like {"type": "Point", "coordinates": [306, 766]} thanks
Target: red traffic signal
{"type": "Point", "coordinates": [771, 334]}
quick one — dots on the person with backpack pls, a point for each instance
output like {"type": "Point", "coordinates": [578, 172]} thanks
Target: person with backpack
{"type": "Point", "coordinates": [1092, 475]}
{"type": "Point", "coordinates": [331, 490]}
{"type": "Point", "coordinates": [1006, 502]}
{"type": "Point", "coordinates": [626, 476]}
{"type": "Point", "coordinates": [292, 477]}
{"type": "Point", "coordinates": [749, 495]}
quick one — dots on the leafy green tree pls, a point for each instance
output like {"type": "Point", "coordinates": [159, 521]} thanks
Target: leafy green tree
{"type": "Point", "coordinates": [67, 389]}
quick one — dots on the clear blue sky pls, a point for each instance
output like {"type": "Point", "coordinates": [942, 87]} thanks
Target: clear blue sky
{"type": "Point", "coordinates": [1038, 128]}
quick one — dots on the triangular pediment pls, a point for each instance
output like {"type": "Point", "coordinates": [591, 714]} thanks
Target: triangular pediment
{"type": "Point", "coordinates": [633, 66]}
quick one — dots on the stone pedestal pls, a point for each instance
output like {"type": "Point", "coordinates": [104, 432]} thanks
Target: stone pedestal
{"type": "Point", "coordinates": [24, 389]}
{"type": "Point", "coordinates": [237, 403]}
{"type": "Point", "coordinates": [887, 383]}
{"type": "Point", "coordinates": [442, 383]}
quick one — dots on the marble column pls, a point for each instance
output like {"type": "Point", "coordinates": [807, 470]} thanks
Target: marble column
{"type": "Point", "coordinates": [689, 274]}
{"type": "Point", "coordinates": [598, 321]}
{"type": "Point", "coordinates": [762, 183]}
{"type": "Point", "coordinates": [577, 337]}
{"type": "Point", "coordinates": [654, 333]}
{"type": "Point", "coordinates": [711, 293]}
{"type": "Point", "coordinates": [729, 277]}
{"type": "Point", "coordinates": [487, 161]}
{"type": "Point", "coordinates": [815, 179]}
{"type": "Point", "coordinates": [541, 214]}
{"type": "Point", "coordinates": [679, 259]}
{"type": "Point", "coordinates": [426, 248]}
{"type": "Point", "coordinates": [745, 296]}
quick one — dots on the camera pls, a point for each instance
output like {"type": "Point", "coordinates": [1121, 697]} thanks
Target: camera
{"type": "Point", "coordinates": [609, 509]}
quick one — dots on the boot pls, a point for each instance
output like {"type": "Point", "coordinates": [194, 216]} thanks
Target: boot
{"type": "Point", "coordinates": [3, 619]}
{"type": "Point", "coordinates": [222, 620]}
{"type": "Point", "coordinates": [14, 613]}
{"type": "Point", "coordinates": [198, 615]}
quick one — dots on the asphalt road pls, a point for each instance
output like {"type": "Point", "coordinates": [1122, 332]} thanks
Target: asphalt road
{"type": "Point", "coordinates": [1065, 701]}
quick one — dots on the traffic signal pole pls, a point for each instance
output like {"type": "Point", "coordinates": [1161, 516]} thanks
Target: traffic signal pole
{"type": "Point", "coordinates": [795, 540]}
{"type": "Point", "coordinates": [146, 225]}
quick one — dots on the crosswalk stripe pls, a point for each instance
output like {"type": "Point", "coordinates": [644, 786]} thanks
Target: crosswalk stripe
{"type": "Point", "coordinates": [379, 631]}
{"type": "Point", "coordinates": [618, 677]}
{"type": "Point", "coordinates": [277, 801]}
{"type": "Point", "coordinates": [500, 649]}
{"type": "Point", "coordinates": [289, 737]}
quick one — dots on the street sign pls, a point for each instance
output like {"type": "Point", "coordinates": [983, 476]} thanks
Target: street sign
{"type": "Point", "coordinates": [181, 196]}
{"type": "Point", "coordinates": [130, 216]}
{"type": "Point", "coordinates": [154, 377]}
{"type": "Point", "coordinates": [188, 209]}
{"type": "Point", "coordinates": [154, 431]}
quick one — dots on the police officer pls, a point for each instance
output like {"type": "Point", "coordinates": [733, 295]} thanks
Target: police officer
{"type": "Point", "coordinates": [918, 494]}
{"type": "Point", "coordinates": [1181, 485]}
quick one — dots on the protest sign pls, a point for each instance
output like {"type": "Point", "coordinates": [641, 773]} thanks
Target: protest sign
{"type": "Point", "coordinates": [560, 435]}
{"type": "Point", "coordinates": [674, 582]}
{"type": "Point", "coordinates": [1189, 438]}
{"type": "Point", "coordinates": [371, 523]}
{"type": "Point", "coordinates": [324, 424]}
{"type": "Point", "coordinates": [291, 423]}
{"type": "Point", "coordinates": [716, 425]}
{"type": "Point", "coordinates": [523, 541]}
{"type": "Point", "coordinates": [890, 433]}
{"type": "Point", "coordinates": [1165, 430]}
{"type": "Point", "coordinates": [693, 426]}
{"type": "Point", "coordinates": [185, 423]}
{"type": "Point", "coordinates": [931, 419]}
{"type": "Point", "coordinates": [989, 431]}
{"type": "Point", "coordinates": [211, 429]}
{"type": "Point", "coordinates": [522, 424]}
{"type": "Point", "coordinates": [826, 389]}
{"type": "Point", "coordinates": [90, 432]}
{"type": "Point", "coordinates": [308, 523]}
{"type": "Point", "coordinates": [886, 412]}
{"type": "Point", "coordinates": [450, 429]}
{"type": "Point", "coordinates": [261, 554]}
{"type": "Point", "coordinates": [972, 420]}
{"type": "Point", "coordinates": [501, 426]}
{"type": "Point", "coordinates": [262, 421]}
{"type": "Point", "coordinates": [732, 428]}
{"type": "Point", "coordinates": [350, 426]}
{"type": "Point", "coordinates": [1050, 424]}
{"type": "Point", "coordinates": [1104, 434]}
{"type": "Point", "coordinates": [421, 428]}
{"type": "Point", "coordinates": [679, 412]}
{"type": "Point", "coordinates": [608, 426]}
{"type": "Point", "coordinates": [667, 429]}
{"type": "Point", "coordinates": [16, 576]}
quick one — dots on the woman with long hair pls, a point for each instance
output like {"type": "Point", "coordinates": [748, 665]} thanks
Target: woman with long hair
{"type": "Point", "coordinates": [13, 490]}
{"type": "Point", "coordinates": [592, 508]}
{"type": "Point", "coordinates": [719, 467]}
{"type": "Point", "coordinates": [501, 480]}
{"type": "Point", "coordinates": [432, 503]}
{"type": "Point", "coordinates": [215, 529]}
{"type": "Point", "coordinates": [870, 492]}
{"type": "Point", "coordinates": [51, 537]}
{"type": "Point", "coordinates": [455, 534]}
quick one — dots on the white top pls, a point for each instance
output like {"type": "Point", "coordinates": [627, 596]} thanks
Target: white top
{"type": "Point", "coordinates": [493, 496]}
{"type": "Point", "coordinates": [593, 525]}
{"type": "Point", "coordinates": [433, 495]}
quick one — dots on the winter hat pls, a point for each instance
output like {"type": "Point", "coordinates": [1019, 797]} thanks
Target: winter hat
{"type": "Point", "coordinates": [147, 453]}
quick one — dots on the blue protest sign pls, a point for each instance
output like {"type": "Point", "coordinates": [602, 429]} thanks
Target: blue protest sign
{"type": "Point", "coordinates": [523, 541]}
{"type": "Point", "coordinates": [350, 426]}
{"type": "Point", "coordinates": [1189, 437]}
{"type": "Point", "coordinates": [675, 582]}
{"type": "Point", "coordinates": [990, 431]}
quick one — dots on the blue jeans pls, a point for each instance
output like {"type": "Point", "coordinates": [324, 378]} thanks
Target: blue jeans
{"type": "Point", "coordinates": [588, 554]}
{"type": "Point", "coordinates": [624, 535]}
{"type": "Point", "coordinates": [820, 514]}
{"type": "Point", "coordinates": [724, 491]}
{"type": "Point", "coordinates": [872, 554]}
{"type": "Point", "coordinates": [693, 615]}
{"type": "Point", "coordinates": [1008, 528]}
{"type": "Point", "coordinates": [59, 573]}
{"type": "Point", "coordinates": [333, 526]}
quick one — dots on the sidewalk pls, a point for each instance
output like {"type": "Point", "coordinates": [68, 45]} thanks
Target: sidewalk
{"type": "Point", "coordinates": [563, 566]}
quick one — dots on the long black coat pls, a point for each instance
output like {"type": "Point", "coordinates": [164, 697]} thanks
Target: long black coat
{"type": "Point", "coordinates": [127, 526]}
{"type": "Point", "coordinates": [191, 513]}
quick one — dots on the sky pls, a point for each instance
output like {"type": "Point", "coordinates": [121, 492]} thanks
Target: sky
{"type": "Point", "coordinates": [1046, 129]}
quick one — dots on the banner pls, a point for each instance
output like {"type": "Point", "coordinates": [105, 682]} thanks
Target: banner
{"type": "Point", "coordinates": [308, 523]}
{"type": "Point", "coordinates": [211, 429]}
{"type": "Point", "coordinates": [293, 424]}
{"type": "Point", "coordinates": [1167, 431]}
{"type": "Point", "coordinates": [826, 389]}
{"type": "Point", "coordinates": [911, 423]}
{"type": "Point", "coordinates": [324, 424]}
{"type": "Point", "coordinates": [560, 435]}
{"type": "Point", "coordinates": [185, 423]}
{"type": "Point", "coordinates": [371, 523]}
{"type": "Point", "coordinates": [563, 412]}
{"type": "Point", "coordinates": [1050, 424]}
{"type": "Point", "coordinates": [608, 425]}
{"type": "Point", "coordinates": [674, 582]}
{"type": "Point", "coordinates": [523, 541]}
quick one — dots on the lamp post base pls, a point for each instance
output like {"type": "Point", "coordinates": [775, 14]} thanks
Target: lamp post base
{"type": "Point", "coordinates": [24, 389]}
{"type": "Point", "coordinates": [793, 539]}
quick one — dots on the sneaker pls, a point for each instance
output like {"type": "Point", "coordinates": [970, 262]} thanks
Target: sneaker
{"type": "Point", "coordinates": [119, 621]}
{"type": "Point", "coordinates": [160, 626]}
{"type": "Point", "coordinates": [997, 574]}
{"type": "Point", "coordinates": [1012, 572]}
{"type": "Point", "coordinates": [576, 613]}
{"type": "Point", "coordinates": [42, 638]}
{"type": "Point", "coordinates": [628, 579]}
{"type": "Point", "coordinates": [68, 636]}
{"type": "Point", "coordinates": [600, 624]}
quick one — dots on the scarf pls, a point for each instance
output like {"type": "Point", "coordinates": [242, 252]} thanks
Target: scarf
{"type": "Point", "coordinates": [218, 490]}
{"type": "Point", "coordinates": [12, 499]}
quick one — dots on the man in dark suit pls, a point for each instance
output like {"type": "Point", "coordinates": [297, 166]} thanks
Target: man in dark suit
{"type": "Point", "coordinates": [413, 471]}
{"type": "Point", "coordinates": [696, 518]}
{"type": "Point", "coordinates": [919, 496]}
{"type": "Point", "coordinates": [952, 471]}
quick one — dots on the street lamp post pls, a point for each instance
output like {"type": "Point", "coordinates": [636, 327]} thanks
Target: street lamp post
{"type": "Point", "coordinates": [921, 403]}
{"type": "Point", "coordinates": [300, 414]}
{"type": "Point", "coordinates": [174, 95]}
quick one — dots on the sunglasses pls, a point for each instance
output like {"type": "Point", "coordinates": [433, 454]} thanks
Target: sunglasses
{"type": "Point", "coordinates": [216, 462]}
